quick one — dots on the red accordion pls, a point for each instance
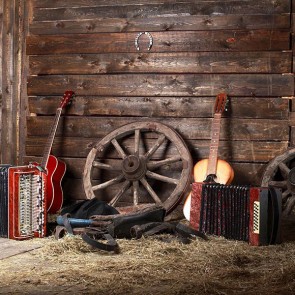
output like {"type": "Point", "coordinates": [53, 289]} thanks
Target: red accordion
{"type": "Point", "coordinates": [22, 202]}
{"type": "Point", "coordinates": [239, 212]}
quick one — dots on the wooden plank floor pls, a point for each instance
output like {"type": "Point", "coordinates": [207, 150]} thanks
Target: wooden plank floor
{"type": "Point", "coordinates": [11, 247]}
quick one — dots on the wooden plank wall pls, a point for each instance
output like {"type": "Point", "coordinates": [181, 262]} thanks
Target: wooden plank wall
{"type": "Point", "coordinates": [13, 100]}
{"type": "Point", "coordinates": [292, 113]}
{"type": "Point", "coordinates": [1, 56]}
{"type": "Point", "coordinates": [200, 48]}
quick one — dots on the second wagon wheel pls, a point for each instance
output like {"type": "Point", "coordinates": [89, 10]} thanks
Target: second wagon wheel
{"type": "Point", "coordinates": [280, 172]}
{"type": "Point", "coordinates": [139, 163]}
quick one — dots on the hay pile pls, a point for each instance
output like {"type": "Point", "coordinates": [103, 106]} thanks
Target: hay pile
{"type": "Point", "coordinates": [152, 266]}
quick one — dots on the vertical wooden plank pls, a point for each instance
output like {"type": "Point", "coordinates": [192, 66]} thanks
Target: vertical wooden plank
{"type": "Point", "coordinates": [13, 47]}
{"type": "Point", "coordinates": [292, 101]}
{"type": "Point", "coordinates": [1, 57]}
{"type": "Point", "coordinates": [22, 72]}
{"type": "Point", "coordinates": [8, 110]}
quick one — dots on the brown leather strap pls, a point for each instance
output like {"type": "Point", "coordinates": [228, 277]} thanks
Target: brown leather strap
{"type": "Point", "coordinates": [59, 232]}
{"type": "Point", "coordinates": [111, 245]}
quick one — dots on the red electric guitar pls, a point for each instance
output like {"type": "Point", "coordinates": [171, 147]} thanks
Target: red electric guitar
{"type": "Point", "coordinates": [54, 168]}
{"type": "Point", "coordinates": [212, 169]}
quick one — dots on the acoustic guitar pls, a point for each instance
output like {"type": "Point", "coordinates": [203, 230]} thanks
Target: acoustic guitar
{"type": "Point", "coordinates": [212, 169]}
{"type": "Point", "coordinates": [54, 168]}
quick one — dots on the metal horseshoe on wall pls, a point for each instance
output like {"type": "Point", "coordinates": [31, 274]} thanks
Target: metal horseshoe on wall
{"type": "Point", "coordinates": [150, 40]}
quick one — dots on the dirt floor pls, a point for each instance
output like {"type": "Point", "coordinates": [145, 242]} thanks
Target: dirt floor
{"type": "Point", "coordinates": [158, 265]}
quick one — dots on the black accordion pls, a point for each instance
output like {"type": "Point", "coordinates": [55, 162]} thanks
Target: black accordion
{"type": "Point", "coordinates": [22, 202]}
{"type": "Point", "coordinates": [238, 212]}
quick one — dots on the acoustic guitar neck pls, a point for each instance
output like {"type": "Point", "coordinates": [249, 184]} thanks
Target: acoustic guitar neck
{"type": "Point", "coordinates": [65, 100]}
{"type": "Point", "coordinates": [213, 152]}
{"type": "Point", "coordinates": [49, 143]}
{"type": "Point", "coordinates": [219, 107]}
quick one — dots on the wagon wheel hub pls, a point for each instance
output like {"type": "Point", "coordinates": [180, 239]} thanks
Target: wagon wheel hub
{"type": "Point", "coordinates": [134, 167]}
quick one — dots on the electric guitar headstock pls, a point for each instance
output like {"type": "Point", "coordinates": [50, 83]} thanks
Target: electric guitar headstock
{"type": "Point", "coordinates": [220, 103]}
{"type": "Point", "coordinates": [66, 98]}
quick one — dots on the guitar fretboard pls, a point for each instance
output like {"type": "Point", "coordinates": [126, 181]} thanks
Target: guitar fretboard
{"type": "Point", "coordinates": [49, 143]}
{"type": "Point", "coordinates": [213, 152]}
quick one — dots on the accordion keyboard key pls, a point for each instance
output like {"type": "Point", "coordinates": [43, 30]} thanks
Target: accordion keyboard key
{"type": "Point", "coordinates": [256, 216]}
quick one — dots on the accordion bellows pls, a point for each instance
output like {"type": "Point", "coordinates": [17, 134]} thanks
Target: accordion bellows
{"type": "Point", "coordinates": [238, 212]}
{"type": "Point", "coordinates": [22, 202]}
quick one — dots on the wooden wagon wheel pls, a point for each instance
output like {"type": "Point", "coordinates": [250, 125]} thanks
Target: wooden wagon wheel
{"type": "Point", "coordinates": [138, 163]}
{"type": "Point", "coordinates": [280, 172]}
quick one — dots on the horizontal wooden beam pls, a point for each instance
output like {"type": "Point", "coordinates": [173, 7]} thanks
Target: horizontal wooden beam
{"type": "Point", "coordinates": [162, 23]}
{"type": "Point", "coordinates": [237, 107]}
{"type": "Point", "coordinates": [180, 62]}
{"type": "Point", "coordinates": [79, 9]}
{"type": "Point", "coordinates": [164, 84]}
{"type": "Point", "coordinates": [189, 128]}
{"type": "Point", "coordinates": [170, 41]}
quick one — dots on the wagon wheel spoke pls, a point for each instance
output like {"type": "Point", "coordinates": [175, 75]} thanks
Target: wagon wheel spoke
{"type": "Point", "coordinates": [120, 193]}
{"type": "Point", "coordinates": [284, 169]}
{"type": "Point", "coordinates": [289, 205]}
{"type": "Point", "coordinates": [136, 141]}
{"type": "Point", "coordinates": [162, 177]}
{"type": "Point", "coordinates": [108, 183]}
{"type": "Point", "coordinates": [118, 148]}
{"type": "Point", "coordinates": [135, 192]}
{"type": "Point", "coordinates": [285, 194]}
{"type": "Point", "coordinates": [150, 191]}
{"type": "Point", "coordinates": [154, 148]}
{"type": "Point", "coordinates": [104, 166]}
{"type": "Point", "coordinates": [156, 164]}
{"type": "Point", "coordinates": [281, 184]}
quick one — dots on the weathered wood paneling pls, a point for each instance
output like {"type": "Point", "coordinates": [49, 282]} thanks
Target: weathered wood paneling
{"type": "Point", "coordinates": [183, 62]}
{"type": "Point", "coordinates": [1, 66]}
{"type": "Point", "coordinates": [279, 7]}
{"type": "Point", "coordinates": [177, 41]}
{"type": "Point", "coordinates": [196, 107]}
{"type": "Point", "coordinates": [164, 84]}
{"type": "Point", "coordinates": [12, 118]}
{"type": "Point", "coordinates": [175, 23]}
{"type": "Point", "coordinates": [190, 128]}
{"type": "Point", "coordinates": [9, 106]}
{"type": "Point", "coordinates": [292, 101]}
{"type": "Point", "coordinates": [200, 48]}
{"type": "Point", "coordinates": [81, 17]}
{"type": "Point", "coordinates": [93, 9]}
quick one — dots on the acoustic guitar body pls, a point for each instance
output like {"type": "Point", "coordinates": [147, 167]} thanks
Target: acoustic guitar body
{"type": "Point", "coordinates": [54, 168]}
{"type": "Point", "coordinates": [55, 172]}
{"type": "Point", "coordinates": [224, 175]}
{"type": "Point", "coordinates": [224, 172]}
